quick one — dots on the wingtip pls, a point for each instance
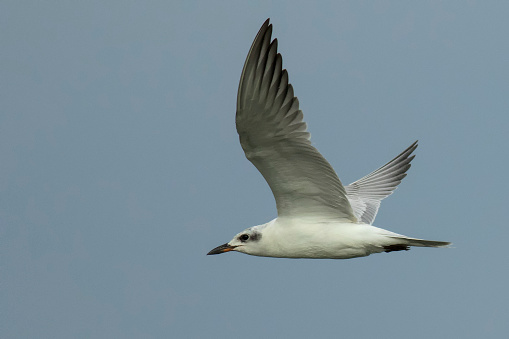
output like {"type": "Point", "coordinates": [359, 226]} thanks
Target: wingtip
{"type": "Point", "coordinates": [266, 25]}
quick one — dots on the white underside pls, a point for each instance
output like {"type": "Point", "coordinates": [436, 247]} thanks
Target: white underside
{"type": "Point", "coordinates": [310, 238]}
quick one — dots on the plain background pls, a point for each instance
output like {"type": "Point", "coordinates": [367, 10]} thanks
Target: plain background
{"type": "Point", "coordinates": [120, 168]}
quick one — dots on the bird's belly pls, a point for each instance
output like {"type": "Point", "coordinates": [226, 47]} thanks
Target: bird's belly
{"type": "Point", "coordinates": [324, 251]}
{"type": "Point", "coordinates": [323, 241]}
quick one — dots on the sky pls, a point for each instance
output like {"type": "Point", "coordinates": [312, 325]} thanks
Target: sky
{"type": "Point", "coordinates": [121, 168]}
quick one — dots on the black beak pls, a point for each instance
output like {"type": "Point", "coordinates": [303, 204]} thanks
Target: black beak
{"type": "Point", "coordinates": [221, 249]}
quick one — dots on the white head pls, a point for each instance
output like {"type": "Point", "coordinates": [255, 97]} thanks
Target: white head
{"type": "Point", "coordinates": [248, 241]}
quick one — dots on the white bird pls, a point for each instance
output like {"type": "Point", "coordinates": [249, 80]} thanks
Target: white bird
{"type": "Point", "coordinates": [318, 217]}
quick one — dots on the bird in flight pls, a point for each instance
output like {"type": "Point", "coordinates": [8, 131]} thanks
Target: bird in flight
{"type": "Point", "coordinates": [318, 217]}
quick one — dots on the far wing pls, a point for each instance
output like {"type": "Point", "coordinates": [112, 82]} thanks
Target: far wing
{"type": "Point", "coordinates": [366, 194]}
{"type": "Point", "coordinates": [276, 141]}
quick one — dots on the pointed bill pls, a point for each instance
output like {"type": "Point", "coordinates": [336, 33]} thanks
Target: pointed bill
{"type": "Point", "coordinates": [221, 249]}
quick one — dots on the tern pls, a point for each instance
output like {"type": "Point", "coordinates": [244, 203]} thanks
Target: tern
{"type": "Point", "coordinates": [317, 217]}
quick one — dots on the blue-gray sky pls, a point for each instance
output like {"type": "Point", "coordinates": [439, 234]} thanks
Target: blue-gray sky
{"type": "Point", "coordinates": [121, 168]}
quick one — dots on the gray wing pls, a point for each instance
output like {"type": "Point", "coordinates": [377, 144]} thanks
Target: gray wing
{"type": "Point", "coordinates": [276, 141]}
{"type": "Point", "coordinates": [366, 193]}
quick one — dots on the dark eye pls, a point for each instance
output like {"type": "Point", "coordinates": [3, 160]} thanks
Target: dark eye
{"type": "Point", "coordinates": [244, 237]}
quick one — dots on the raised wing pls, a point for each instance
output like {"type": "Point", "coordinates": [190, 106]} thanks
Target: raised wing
{"type": "Point", "coordinates": [366, 193]}
{"type": "Point", "coordinates": [276, 141]}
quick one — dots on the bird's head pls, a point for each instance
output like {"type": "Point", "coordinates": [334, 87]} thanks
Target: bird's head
{"type": "Point", "coordinates": [247, 241]}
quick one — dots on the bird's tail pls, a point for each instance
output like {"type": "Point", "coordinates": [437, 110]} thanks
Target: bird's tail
{"type": "Point", "coordinates": [423, 243]}
{"type": "Point", "coordinates": [403, 243]}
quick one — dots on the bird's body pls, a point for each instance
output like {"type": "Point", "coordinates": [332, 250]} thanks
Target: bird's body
{"type": "Point", "coordinates": [308, 237]}
{"type": "Point", "coordinates": [312, 238]}
{"type": "Point", "coordinates": [318, 217]}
